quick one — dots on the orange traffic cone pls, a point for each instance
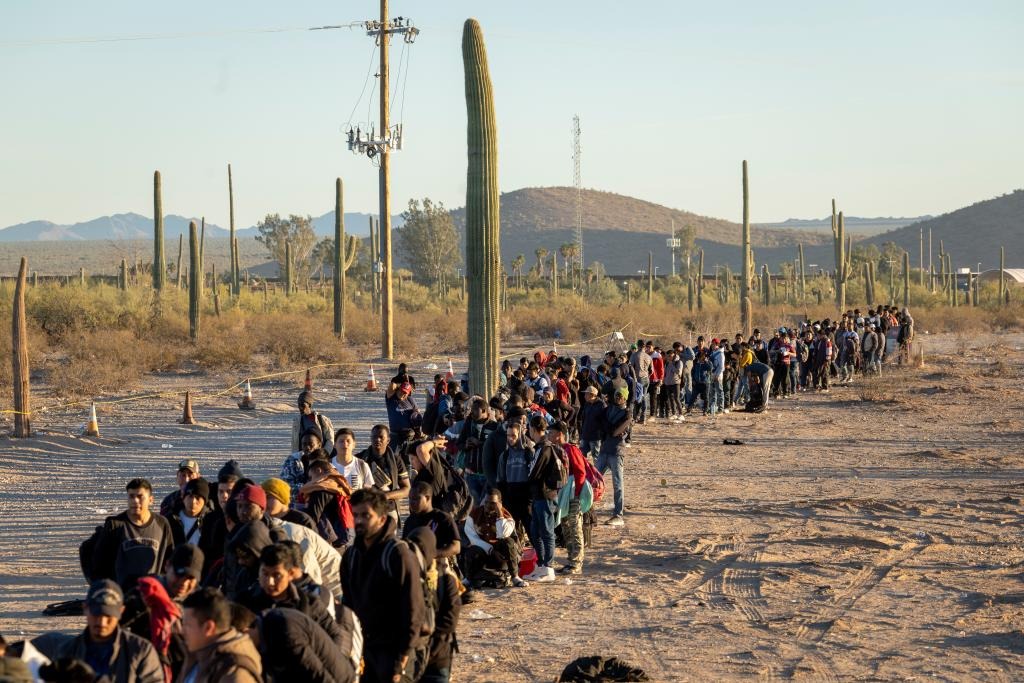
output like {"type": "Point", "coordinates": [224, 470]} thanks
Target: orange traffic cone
{"type": "Point", "coordinates": [186, 417]}
{"type": "Point", "coordinates": [93, 427]}
{"type": "Point", "coordinates": [247, 403]}
{"type": "Point", "coordinates": [309, 381]}
{"type": "Point", "coordinates": [451, 371]}
{"type": "Point", "coordinates": [371, 382]}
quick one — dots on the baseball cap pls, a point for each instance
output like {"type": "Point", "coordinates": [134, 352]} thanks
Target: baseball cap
{"type": "Point", "coordinates": [591, 390]}
{"type": "Point", "coordinates": [187, 560]}
{"type": "Point", "coordinates": [714, 340]}
{"type": "Point", "coordinates": [558, 426]}
{"type": "Point", "coordinates": [405, 388]}
{"type": "Point", "coordinates": [253, 493]}
{"type": "Point", "coordinates": [189, 464]}
{"type": "Point", "coordinates": [104, 597]}
{"type": "Point", "coordinates": [198, 487]}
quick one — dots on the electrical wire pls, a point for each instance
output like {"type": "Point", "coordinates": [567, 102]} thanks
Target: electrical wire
{"type": "Point", "coordinates": [398, 79]}
{"type": "Point", "coordinates": [170, 36]}
{"type": "Point", "coordinates": [369, 70]}
{"type": "Point", "coordinates": [405, 81]}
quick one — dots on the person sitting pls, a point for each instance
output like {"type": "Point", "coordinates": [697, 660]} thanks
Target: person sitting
{"type": "Point", "coordinates": [441, 524]}
{"type": "Point", "coordinates": [326, 496]}
{"type": "Point", "coordinates": [295, 470]}
{"type": "Point", "coordinates": [494, 549]}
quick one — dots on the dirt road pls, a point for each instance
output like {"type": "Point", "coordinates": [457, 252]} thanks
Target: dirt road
{"type": "Point", "coordinates": [872, 533]}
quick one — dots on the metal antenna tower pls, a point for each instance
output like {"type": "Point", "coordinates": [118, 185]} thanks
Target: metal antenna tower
{"type": "Point", "coordinates": [577, 180]}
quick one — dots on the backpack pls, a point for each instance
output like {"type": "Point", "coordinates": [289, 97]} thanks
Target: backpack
{"type": "Point", "coordinates": [87, 550]}
{"type": "Point", "coordinates": [456, 498]}
{"type": "Point", "coordinates": [562, 461]}
{"type": "Point", "coordinates": [429, 582]}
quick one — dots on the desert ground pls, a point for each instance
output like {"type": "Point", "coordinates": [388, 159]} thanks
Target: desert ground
{"type": "Point", "coordinates": [872, 533]}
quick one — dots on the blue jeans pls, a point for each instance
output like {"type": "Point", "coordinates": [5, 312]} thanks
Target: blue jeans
{"type": "Point", "coordinates": [613, 462]}
{"type": "Point", "coordinates": [590, 448]}
{"type": "Point", "coordinates": [542, 530]}
{"type": "Point", "coordinates": [436, 675]}
{"type": "Point", "coordinates": [742, 389]}
{"type": "Point", "coordinates": [716, 399]}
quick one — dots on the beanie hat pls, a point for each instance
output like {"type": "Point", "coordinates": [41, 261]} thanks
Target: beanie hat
{"type": "Point", "coordinates": [198, 487]}
{"type": "Point", "coordinates": [231, 469]}
{"type": "Point", "coordinates": [252, 494]}
{"type": "Point", "coordinates": [278, 489]}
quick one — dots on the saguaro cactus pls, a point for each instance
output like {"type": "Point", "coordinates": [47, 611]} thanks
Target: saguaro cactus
{"type": "Point", "coordinates": [1002, 276]}
{"type": "Point", "coordinates": [906, 279]}
{"type": "Point", "coordinates": [766, 285]}
{"type": "Point", "coordinates": [374, 257]}
{"type": "Point", "coordinates": [195, 275]}
{"type": "Point", "coordinates": [689, 294]}
{"type": "Point", "coordinates": [869, 296]}
{"type": "Point", "coordinates": [745, 307]}
{"type": "Point", "coordinates": [177, 264]}
{"type": "Point", "coordinates": [81, 277]}
{"type": "Point", "coordinates": [803, 276]}
{"type": "Point", "coordinates": [483, 228]}
{"type": "Point", "coordinates": [122, 276]}
{"type": "Point", "coordinates": [344, 256]}
{"type": "Point", "coordinates": [159, 263]}
{"type": "Point", "coordinates": [233, 243]}
{"type": "Point", "coordinates": [699, 283]}
{"type": "Point", "coordinates": [238, 283]}
{"type": "Point", "coordinates": [19, 358]}
{"type": "Point", "coordinates": [842, 258]}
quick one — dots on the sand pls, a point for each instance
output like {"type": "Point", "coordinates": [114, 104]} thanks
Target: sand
{"type": "Point", "coordinates": [847, 539]}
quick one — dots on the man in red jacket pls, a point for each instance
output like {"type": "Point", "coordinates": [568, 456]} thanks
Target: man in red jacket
{"type": "Point", "coordinates": [572, 524]}
{"type": "Point", "coordinates": [657, 377]}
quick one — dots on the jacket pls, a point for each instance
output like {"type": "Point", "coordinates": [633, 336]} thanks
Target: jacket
{"type": "Point", "coordinates": [232, 658]}
{"type": "Point", "coordinates": [616, 423]}
{"type": "Point", "coordinates": [491, 454]}
{"type": "Point", "coordinates": [381, 584]}
{"type": "Point", "coordinates": [133, 659]}
{"type": "Point", "coordinates": [591, 422]}
{"type": "Point", "coordinates": [323, 423]}
{"type": "Point", "coordinates": [449, 604]}
{"type": "Point", "coordinates": [294, 648]}
{"type": "Point", "coordinates": [320, 559]}
{"type": "Point", "coordinates": [257, 601]}
{"type": "Point", "coordinates": [124, 551]}
{"type": "Point", "coordinates": [545, 475]}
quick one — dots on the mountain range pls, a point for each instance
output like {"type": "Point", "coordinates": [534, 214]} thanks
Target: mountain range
{"type": "Point", "coordinates": [619, 231]}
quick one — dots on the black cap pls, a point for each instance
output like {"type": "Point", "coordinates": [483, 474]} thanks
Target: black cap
{"type": "Point", "coordinates": [104, 597]}
{"type": "Point", "coordinates": [187, 560]}
{"type": "Point", "coordinates": [198, 487]}
{"type": "Point", "coordinates": [306, 397]}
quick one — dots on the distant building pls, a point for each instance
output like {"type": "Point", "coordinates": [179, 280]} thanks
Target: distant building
{"type": "Point", "coordinates": [1014, 276]}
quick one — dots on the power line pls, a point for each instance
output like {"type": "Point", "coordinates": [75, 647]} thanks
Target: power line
{"type": "Point", "coordinates": [85, 40]}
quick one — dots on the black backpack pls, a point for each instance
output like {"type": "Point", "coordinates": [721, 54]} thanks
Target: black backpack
{"type": "Point", "coordinates": [456, 498]}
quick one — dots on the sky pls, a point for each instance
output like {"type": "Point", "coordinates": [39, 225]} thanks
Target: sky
{"type": "Point", "coordinates": [894, 109]}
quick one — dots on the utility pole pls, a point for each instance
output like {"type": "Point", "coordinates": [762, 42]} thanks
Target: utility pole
{"type": "Point", "coordinates": [361, 142]}
{"type": "Point", "coordinates": [578, 182]}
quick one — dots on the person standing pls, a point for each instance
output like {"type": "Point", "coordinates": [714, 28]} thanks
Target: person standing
{"type": "Point", "coordinates": [616, 424]}
{"type": "Point", "coordinates": [309, 420]}
{"type": "Point", "coordinates": [134, 543]}
{"type": "Point", "coordinates": [389, 472]}
{"type": "Point", "coordinates": [572, 523]}
{"type": "Point", "coordinates": [381, 584]}
{"type": "Point", "coordinates": [173, 502]}
{"type": "Point", "coordinates": [217, 653]}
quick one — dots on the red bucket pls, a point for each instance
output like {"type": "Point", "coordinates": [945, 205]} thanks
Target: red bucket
{"type": "Point", "coordinates": [528, 562]}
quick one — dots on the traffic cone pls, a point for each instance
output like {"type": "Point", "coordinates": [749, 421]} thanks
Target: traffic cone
{"type": "Point", "coordinates": [93, 427]}
{"type": "Point", "coordinates": [371, 382]}
{"type": "Point", "coordinates": [247, 403]}
{"type": "Point", "coordinates": [186, 417]}
{"type": "Point", "coordinates": [309, 381]}
{"type": "Point", "coordinates": [451, 371]}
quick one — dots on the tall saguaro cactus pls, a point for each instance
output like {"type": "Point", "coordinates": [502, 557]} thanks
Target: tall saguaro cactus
{"type": "Point", "coordinates": [19, 358]}
{"type": "Point", "coordinates": [483, 229]}
{"type": "Point", "coordinates": [233, 244]}
{"type": "Point", "coordinates": [344, 256]}
{"type": "Point", "coordinates": [1002, 276]}
{"type": "Point", "coordinates": [803, 276]}
{"type": "Point", "coordinates": [195, 276]}
{"type": "Point", "coordinates": [122, 276]}
{"type": "Point", "coordinates": [177, 264]}
{"type": "Point", "coordinates": [159, 263]}
{"type": "Point", "coordinates": [689, 294]}
{"type": "Point", "coordinates": [746, 313]}
{"type": "Point", "coordinates": [699, 282]}
{"type": "Point", "coordinates": [766, 285]}
{"type": "Point", "coordinates": [842, 257]}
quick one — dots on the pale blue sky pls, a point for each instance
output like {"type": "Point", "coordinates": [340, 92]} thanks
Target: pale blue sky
{"type": "Point", "coordinates": [894, 108]}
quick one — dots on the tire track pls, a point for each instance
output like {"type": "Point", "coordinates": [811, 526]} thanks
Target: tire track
{"type": "Point", "coordinates": [816, 627]}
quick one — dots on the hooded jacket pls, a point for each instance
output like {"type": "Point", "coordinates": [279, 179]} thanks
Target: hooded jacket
{"type": "Point", "coordinates": [257, 601]}
{"type": "Point", "coordinates": [294, 648]}
{"type": "Point", "coordinates": [232, 658]}
{"type": "Point", "coordinates": [254, 537]}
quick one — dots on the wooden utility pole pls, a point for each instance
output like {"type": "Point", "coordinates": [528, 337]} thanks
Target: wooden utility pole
{"type": "Point", "coordinates": [387, 344]}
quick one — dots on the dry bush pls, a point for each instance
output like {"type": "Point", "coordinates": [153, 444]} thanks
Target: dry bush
{"type": "Point", "coordinates": [103, 361]}
{"type": "Point", "coordinates": [875, 390]}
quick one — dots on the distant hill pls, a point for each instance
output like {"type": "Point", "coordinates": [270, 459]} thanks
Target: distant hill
{"type": "Point", "coordinates": [132, 226]}
{"type": "Point", "coordinates": [971, 235]}
{"type": "Point", "coordinates": [854, 224]}
{"type": "Point", "coordinates": [542, 209]}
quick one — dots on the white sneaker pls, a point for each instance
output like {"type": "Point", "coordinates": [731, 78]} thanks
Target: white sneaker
{"type": "Point", "coordinates": [616, 521]}
{"type": "Point", "coordinates": [546, 575]}
{"type": "Point", "coordinates": [725, 411]}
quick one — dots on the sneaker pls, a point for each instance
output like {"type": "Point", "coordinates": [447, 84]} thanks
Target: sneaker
{"type": "Point", "coordinates": [519, 583]}
{"type": "Point", "coordinates": [546, 575]}
{"type": "Point", "coordinates": [627, 444]}
{"type": "Point", "coordinates": [616, 521]}
{"type": "Point", "coordinates": [569, 569]}
{"type": "Point", "coordinates": [725, 411]}
{"type": "Point", "coordinates": [537, 572]}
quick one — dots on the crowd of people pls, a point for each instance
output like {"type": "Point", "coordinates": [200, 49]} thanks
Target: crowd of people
{"type": "Point", "coordinates": [354, 564]}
